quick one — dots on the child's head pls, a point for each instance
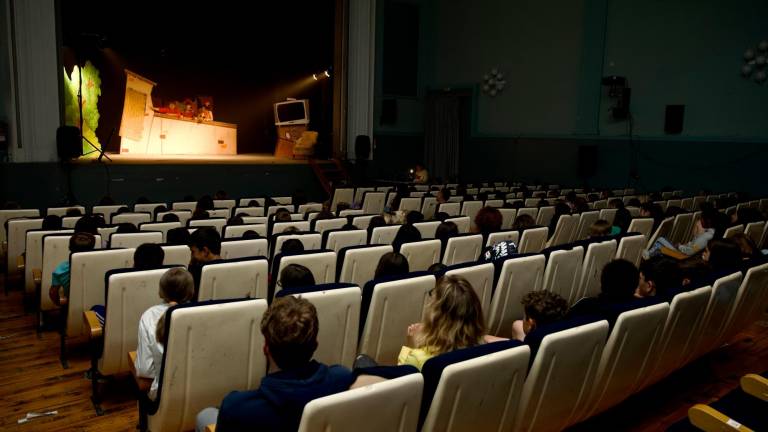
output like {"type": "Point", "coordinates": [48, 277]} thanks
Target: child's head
{"type": "Point", "coordinates": [619, 280]}
{"type": "Point", "coordinates": [235, 220]}
{"type": "Point", "coordinates": [205, 244]}
{"type": "Point", "coordinates": [600, 228]}
{"type": "Point", "coordinates": [282, 215]}
{"type": "Point", "coordinates": [81, 242]}
{"type": "Point", "coordinates": [446, 230]}
{"type": "Point", "coordinates": [74, 211]}
{"type": "Point", "coordinates": [542, 308]}
{"type": "Point", "coordinates": [171, 217]}
{"type": "Point", "coordinates": [658, 276]}
{"type": "Point", "coordinates": [52, 222]}
{"type": "Point", "coordinates": [414, 216]}
{"type": "Point", "coordinates": [148, 256]}
{"type": "Point", "coordinates": [177, 286]}
{"type": "Point", "coordinates": [488, 220]}
{"type": "Point", "coordinates": [87, 224]}
{"type": "Point", "coordinates": [290, 327]}
{"type": "Point", "coordinates": [126, 228]}
{"type": "Point", "coordinates": [722, 255]}
{"type": "Point", "coordinates": [177, 236]}
{"type": "Point", "coordinates": [391, 264]}
{"type": "Point", "coordinates": [524, 222]}
{"type": "Point", "coordinates": [453, 316]}
{"type": "Point", "coordinates": [406, 234]}
{"type": "Point", "coordinates": [292, 246]}
{"type": "Point", "coordinates": [250, 234]}
{"type": "Point", "coordinates": [296, 276]}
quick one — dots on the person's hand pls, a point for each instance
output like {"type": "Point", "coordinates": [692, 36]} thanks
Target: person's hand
{"type": "Point", "coordinates": [414, 330]}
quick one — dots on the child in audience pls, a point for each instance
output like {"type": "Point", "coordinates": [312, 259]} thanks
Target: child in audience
{"type": "Point", "coordinates": [126, 228]}
{"type": "Point", "coordinates": [282, 215]}
{"type": "Point", "coordinates": [621, 221]}
{"type": "Point", "coordinates": [250, 234]}
{"type": "Point", "coordinates": [561, 208]}
{"type": "Point", "coordinates": [290, 328]}
{"type": "Point", "coordinates": [523, 222]}
{"type": "Point", "coordinates": [292, 246]}
{"type": "Point", "coordinates": [723, 256]}
{"type": "Point", "coordinates": [59, 289]}
{"type": "Point", "coordinates": [51, 222]}
{"type": "Point", "coordinates": [443, 195]}
{"type": "Point", "coordinates": [176, 287]}
{"type": "Point", "coordinates": [205, 246]}
{"type": "Point", "coordinates": [178, 236]}
{"type": "Point", "coordinates": [87, 224]}
{"type": "Point", "coordinates": [413, 217]}
{"type": "Point", "coordinates": [487, 220]}
{"type": "Point", "coordinates": [445, 231]}
{"type": "Point", "coordinates": [376, 221]}
{"type": "Point", "coordinates": [453, 319]}
{"type": "Point", "coordinates": [619, 281]}
{"type": "Point", "coordinates": [148, 256]}
{"type": "Point", "coordinates": [601, 228]}
{"type": "Point", "coordinates": [170, 217]}
{"type": "Point", "coordinates": [295, 276]}
{"type": "Point", "coordinates": [541, 308]}
{"type": "Point", "coordinates": [391, 264]}
{"type": "Point", "coordinates": [235, 220]}
{"type": "Point", "coordinates": [703, 232]}
{"type": "Point", "coordinates": [658, 277]}
{"type": "Point", "coordinates": [406, 234]}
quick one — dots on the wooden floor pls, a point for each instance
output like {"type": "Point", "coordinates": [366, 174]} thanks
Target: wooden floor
{"type": "Point", "coordinates": [32, 379]}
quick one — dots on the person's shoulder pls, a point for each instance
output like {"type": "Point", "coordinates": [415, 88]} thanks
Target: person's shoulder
{"type": "Point", "coordinates": [244, 407]}
{"type": "Point", "coordinates": [63, 267]}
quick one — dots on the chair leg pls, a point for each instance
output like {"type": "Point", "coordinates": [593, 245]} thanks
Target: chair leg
{"type": "Point", "coordinates": [63, 341]}
{"type": "Point", "coordinates": [94, 375]}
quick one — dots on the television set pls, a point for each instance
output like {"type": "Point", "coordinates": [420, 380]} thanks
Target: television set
{"type": "Point", "coordinates": [292, 112]}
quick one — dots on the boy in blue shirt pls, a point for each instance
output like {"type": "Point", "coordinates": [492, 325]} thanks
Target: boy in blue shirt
{"type": "Point", "coordinates": [59, 290]}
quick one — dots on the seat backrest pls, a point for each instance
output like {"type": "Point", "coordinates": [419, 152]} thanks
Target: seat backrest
{"type": "Point", "coordinates": [627, 356]}
{"type": "Point", "coordinates": [228, 204]}
{"type": "Point", "coordinates": [219, 213]}
{"type": "Point", "coordinates": [720, 305]}
{"type": "Point", "coordinates": [17, 239]}
{"type": "Point", "coordinates": [176, 255]}
{"type": "Point", "coordinates": [685, 317]}
{"type": "Point", "coordinates": [601, 204]}
{"type": "Point", "coordinates": [69, 221]}
{"type": "Point", "coordinates": [62, 211]}
{"type": "Point", "coordinates": [530, 211]}
{"type": "Point", "coordinates": [133, 218]}
{"type": "Point", "coordinates": [545, 215]}
{"type": "Point", "coordinates": [631, 249]}
{"type": "Point", "coordinates": [763, 243]}
{"type": "Point", "coordinates": [249, 211]}
{"type": "Point", "coordinates": [309, 207]}
{"type": "Point", "coordinates": [493, 238]}
{"type": "Point", "coordinates": [687, 204]}
{"type": "Point", "coordinates": [427, 229]}
{"type": "Point", "coordinates": [428, 207]}
{"type": "Point", "coordinates": [480, 276]}
{"type": "Point", "coordinates": [470, 209]}
{"type": "Point", "coordinates": [183, 215]}
{"type": "Point", "coordinates": [134, 240]}
{"type": "Point", "coordinates": [147, 208]}
{"type": "Point", "coordinates": [732, 231]}
{"type": "Point", "coordinates": [338, 314]}
{"type": "Point", "coordinates": [507, 217]}
{"type": "Point", "coordinates": [360, 193]}
{"type": "Point", "coordinates": [563, 272]}
{"type": "Point", "coordinates": [451, 208]}
{"type": "Point", "coordinates": [33, 250]}
{"type": "Point", "coordinates": [55, 250]}
{"type": "Point", "coordinates": [245, 201]}
{"type": "Point", "coordinates": [608, 214]}
{"type": "Point", "coordinates": [273, 209]}
{"type": "Point", "coordinates": [107, 211]}
{"type": "Point", "coordinates": [389, 406]}
{"type": "Point", "coordinates": [362, 222]}
{"type": "Point", "coordinates": [643, 226]}
{"type": "Point", "coordinates": [282, 226]}
{"type": "Point", "coordinates": [184, 205]}
{"type": "Point", "coordinates": [338, 240]}
{"type": "Point", "coordinates": [373, 202]}
{"type": "Point", "coordinates": [754, 231]}
{"type": "Point", "coordinates": [586, 219]}
{"type": "Point", "coordinates": [495, 203]}
{"type": "Point", "coordinates": [557, 386]}
{"type": "Point", "coordinates": [674, 203]}
{"type": "Point", "coordinates": [359, 265]}
{"type": "Point", "coordinates": [481, 393]}
{"type": "Point", "coordinates": [680, 228]}
{"type": "Point", "coordinates": [663, 230]}
{"type": "Point", "coordinates": [213, 348]}
{"type": "Point", "coordinates": [312, 241]}
{"type": "Point", "coordinates": [564, 230]}
{"type": "Point", "coordinates": [518, 277]}
{"type": "Point", "coordinates": [87, 279]}
{"type": "Point", "coordinates": [597, 256]}
{"type": "Point", "coordinates": [533, 240]}
{"type": "Point", "coordinates": [232, 249]}
{"type": "Point", "coordinates": [462, 223]}
{"type": "Point", "coordinates": [323, 225]}
{"type": "Point", "coordinates": [750, 302]}
{"type": "Point", "coordinates": [161, 227]}
{"type": "Point", "coordinates": [531, 202]}
{"type": "Point", "coordinates": [384, 234]}
{"type": "Point", "coordinates": [128, 295]}
{"type": "Point", "coordinates": [236, 231]}
{"type": "Point", "coordinates": [241, 278]}
{"type": "Point", "coordinates": [393, 307]}
{"type": "Point", "coordinates": [322, 264]}
{"type": "Point", "coordinates": [218, 224]}
{"type": "Point", "coordinates": [421, 254]}
{"type": "Point", "coordinates": [463, 249]}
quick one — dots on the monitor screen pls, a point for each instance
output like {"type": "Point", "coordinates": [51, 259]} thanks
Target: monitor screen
{"type": "Point", "coordinates": [287, 112]}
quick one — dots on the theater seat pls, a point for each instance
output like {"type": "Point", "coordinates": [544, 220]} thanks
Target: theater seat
{"type": "Point", "coordinates": [236, 278]}
{"type": "Point", "coordinates": [242, 248]}
{"type": "Point", "coordinates": [499, 236]}
{"type": "Point", "coordinates": [533, 240]}
{"type": "Point", "coordinates": [134, 240]}
{"type": "Point", "coordinates": [17, 238]}
{"type": "Point", "coordinates": [373, 202]}
{"type": "Point", "coordinates": [597, 256]}
{"type": "Point", "coordinates": [421, 254]}
{"type": "Point", "coordinates": [518, 277]}
{"type": "Point", "coordinates": [721, 303]}
{"type": "Point", "coordinates": [463, 249]}
{"type": "Point", "coordinates": [384, 234]}
{"type": "Point", "coordinates": [389, 406]}
{"type": "Point", "coordinates": [33, 259]}
{"type": "Point", "coordinates": [427, 229]}
{"type": "Point", "coordinates": [480, 276]}
{"type": "Point", "coordinates": [337, 240]}
{"type": "Point", "coordinates": [217, 224]}
{"type": "Point", "coordinates": [322, 264]}
{"type": "Point", "coordinates": [750, 304]}
{"type": "Point", "coordinates": [463, 223]}
{"type": "Point", "coordinates": [631, 248]}
{"type": "Point", "coordinates": [643, 226]}
{"type": "Point", "coordinates": [357, 265]}
{"type": "Point", "coordinates": [586, 219]}
{"type": "Point", "coordinates": [162, 227]}
{"type": "Point", "coordinates": [311, 241]}
{"type": "Point", "coordinates": [345, 195]}
{"type": "Point", "coordinates": [563, 272]}
{"type": "Point", "coordinates": [564, 230]}
{"type": "Point", "coordinates": [133, 218]}
{"type": "Point", "coordinates": [237, 231]}
{"type": "Point", "coordinates": [176, 255]}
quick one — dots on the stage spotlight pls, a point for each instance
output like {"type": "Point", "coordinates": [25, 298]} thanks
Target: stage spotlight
{"type": "Point", "coordinates": [327, 74]}
{"type": "Point", "coordinates": [314, 77]}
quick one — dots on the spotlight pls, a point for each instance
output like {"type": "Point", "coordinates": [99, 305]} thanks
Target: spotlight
{"type": "Point", "coordinates": [327, 74]}
{"type": "Point", "coordinates": [314, 77]}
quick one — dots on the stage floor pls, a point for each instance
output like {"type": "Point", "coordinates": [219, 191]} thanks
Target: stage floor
{"type": "Point", "coordinates": [241, 159]}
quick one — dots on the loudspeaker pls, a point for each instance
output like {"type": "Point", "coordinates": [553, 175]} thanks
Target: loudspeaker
{"type": "Point", "coordinates": [388, 111]}
{"type": "Point", "coordinates": [587, 161]}
{"type": "Point", "coordinates": [673, 119]}
{"type": "Point", "coordinates": [68, 142]}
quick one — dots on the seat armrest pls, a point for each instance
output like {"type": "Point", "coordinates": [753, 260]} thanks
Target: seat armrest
{"type": "Point", "coordinates": [142, 383]}
{"type": "Point", "coordinates": [20, 263]}
{"type": "Point", "coordinates": [210, 428]}
{"type": "Point", "coordinates": [95, 330]}
{"type": "Point", "coordinates": [37, 276]}
{"type": "Point", "coordinates": [755, 385]}
{"type": "Point", "coordinates": [709, 419]}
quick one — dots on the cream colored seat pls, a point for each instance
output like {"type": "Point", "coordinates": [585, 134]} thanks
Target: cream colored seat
{"type": "Point", "coordinates": [184, 205]}
{"type": "Point", "coordinates": [643, 226]}
{"type": "Point", "coordinates": [17, 240]}
{"type": "Point", "coordinates": [389, 406]}
{"type": "Point", "coordinates": [244, 248]}
{"type": "Point", "coordinates": [249, 211]}
{"type": "Point", "coordinates": [309, 207]}
{"type": "Point", "coordinates": [183, 215]}
{"type": "Point", "coordinates": [470, 209]}
{"type": "Point", "coordinates": [359, 264]}
{"type": "Point", "coordinates": [148, 208]}
{"type": "Point", "coordinates": [680, 228]}
{"type": "Point", "coordinates": [219, 213]}
{"type": "Point", "coordinates": [237, 231]}
{"type": "Point", "coordinates": [55, 250]}
{"type": "Point", "coordinates": [530, 211]}
{"type": "Point", "coordinates": [107, 211]}
{"type": "Point", "coordinates": [324, 225]}
{"type": "Point", "coordinates": [134, 240]}
{"type": "Point", "coordinates": [463, 249]}
{"type": "Point", "coordinates": [450, 208]}
{"type": "Point", "coordinates": [411, 204]}
{"type": "Point", "coordinates": [33, 254]}
{"type": "Point", "coordinates": [246, 202]}
{"type": "Point", "coordinates": [360, 195]}
{"type": "Point", "coordinates": [69, 222]}
{"type": "Point", "coordinates": [427, 229]}
{"type": "Point", "coordinates": [507, 217]}
{"type": "Point", "coordinates": [720, 305]}
{"type": "Point", "coordinates": [282, 226]}
{"type": "Point", "coordinates": [337, 240]}
{"type": "Point", "coordinates": [62, 211]}
{"type": "Point", "coordinates": [228, 204]}
{"type": "Point", "coordinates": [421, 254]}
{"type": "Point", "coordinates": [133, 218]}
{"type": "Point", "coordinates": [545, 215]}
{"type": "Point", "coordinates": [322, 265]}
{"type": "Point", "coordinates": [429, 207]}
{"type": "Point", "coordinates": [362, 222]}
{"type": "Point", "coordinates": [533, 240]}
{"type": "Point", "coordinates": [586, 219]}
{"type": "Point", "coordinates": [754, 231]}
{"type": "Point", "coordinates": [311, 241]}
{"type": "Point", "coordinates": [663, 230]}
{"type": "Point", "coordinates": [564, 230]}
{"type": "Point", "coordinates": [631, 249]}
{"type": "Point", "coordinates": [176, 255]}
{"type": "Point", "coordinates": [518, 277]}
{"type": "Point", "coordinates": [239, 278]}
{"type": "Point", "coordinates": [732, 231]}
{"type": "Point", "coordinates": [373, 202]}
{"type": "Point", "coordinates": [162, 227]}
{"type": "Point", "coordinates": [562, 273]}
{"type": "Point", "coordinates": [597, 256]}
{"type": "Point", "coordinates": [608, 214]}
{"type": "Point", "coordinates": [463, 223]}
{"type": "Point", "coordinates": [499, 236]}
{"type": "Point", "coordinates": [480, 276]}
{"type": "Point", "coordinates": [213, 348]}
{"type": "Point", "coordinates": [750, 303]}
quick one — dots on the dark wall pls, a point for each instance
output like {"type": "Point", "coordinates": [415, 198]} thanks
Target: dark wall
{"type": "Point", "coordinates": [246, 55]}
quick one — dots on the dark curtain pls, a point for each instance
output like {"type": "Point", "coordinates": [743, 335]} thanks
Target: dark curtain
{"type": "Point", "coordinates": [443, 134]}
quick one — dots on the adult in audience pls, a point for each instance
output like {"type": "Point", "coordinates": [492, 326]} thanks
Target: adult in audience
{"type": "Point", "coordinates": [406, 234]}
{"type": "Point", "coordinates": [445, 231]}
{"type": "Point", "coordinates": [453, 319]}
{"type": "Point", "coordinates": [442, 216]}
{"type": "Point", "coordinates": [487, 220]}
{"type": "Point", "coordinates": [157, 210]}
{"type": "Point", "coordinates": [391, 264]}
{"type": "Point", "coordinates": [619, 281]}
{"type": "Point", "coordinates": [250, 234]}
{"type": "Point", "coordinates": [178, 236]}
{"type": "Point", "coordinates": [295, 276]}
{"type": "Point", "coordinates": [204, 203]}
{"type": "Point", "coordinates": [59, 289]}
{"type": "Point", "coordinates": [290, 327]}
{"type": "Point", "coordinates": [176, 287]}
{"type": "Point", "coordinates": [540, 308]}
{"type": "Point", "coordinates": [205, 245]}
{"type": "Point", "coordinates": [200, 214]}
{"type": "Point", "coordinates": [148, 256]}
{"type": "Point", "coordinates": [420, 174]}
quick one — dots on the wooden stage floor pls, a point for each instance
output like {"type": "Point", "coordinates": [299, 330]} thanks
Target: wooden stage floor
{"type": "Point", "coordinates": [241, 159]}
{"type": "Point", "coordinates": [32, 379]}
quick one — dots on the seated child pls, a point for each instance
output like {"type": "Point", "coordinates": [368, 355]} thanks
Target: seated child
{"type": "Point", "coordinates": [541, 308]}
{"type": "Point", "coordinates": [59, 289]}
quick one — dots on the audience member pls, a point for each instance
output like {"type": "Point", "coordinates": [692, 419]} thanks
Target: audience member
{"type": "Point", "coordinates": [282, 215]}
{"type": "Point", "coordinates": [748, 248]}
{"type": "Point", "coordinates": [445, 231]}
{"type": "Point", "coordinates": [205, 245]}
{"type": "Point", "coordinates": [659, 276]}
{"type": "Point", "coordinates": [413, 217]}
{"type": "Point", "coordinates": [51, 222]}
{"type": "Point", "coordinates": [250, 234]}
{"type": "Point", "coordinates": [540, 308]}
{"type": "Point", "coordinates": [523, 222]}
{"type": "Point", "coordinates": [171, 217]}
{"type": "Point", "coordinates": [621, 221]}
{"type": "Point", "coordinates": [59, 289]}
{"type": "Point", "coordinates": [148, 256]}
{"type": "Point", "coordinates": [126, 228]}
{"type": "Point", "coordinates": [375, 222]}
{"type": "Point", "coordinates": [619, 281]}
{"type": "Point", "coordinates": [292, 246]}
{"type": "Point", "coordinates": [487, 220]}
{"type": "Point", "coordinates": [295, 276]}
{"type": "Point", "coordinates": [406, 234]}
{"type": "Point", "coordinates": [443, 195]}
{"type": "Point", "coordinates": [391, 264]}
{"type": "Point", "coordinates": [561, 208]}
{"type": "Point", "coordinates": [178, 236]}
{"type": "Point", "coordinates": [722, 255]}
{"type": "Point", "coordinates": [703, 232]}
{"type": "Point", "coordinates": [87, 224]}
{"type": "Point", "coordinates": [600, 228]}
{"type": "Point", "coordinates": [74, 211]}
{"type": "Point", "coordinates": [235, 220]}
{"type": "Point", "coordinates": [653, 211]}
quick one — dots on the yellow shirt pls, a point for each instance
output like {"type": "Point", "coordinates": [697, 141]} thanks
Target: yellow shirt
{"type": "Point", "coordinates": [415, 357]}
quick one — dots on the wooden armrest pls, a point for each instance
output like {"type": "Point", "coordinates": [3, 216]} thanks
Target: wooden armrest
{"type": "Point", "coordinates": [210, 428]}
{"type": "Point", "coordinates": [132, 362]}
{"type": "Point", "coordinates": [20, 263]}
{"type": "Point", "coordinates": [673, 253]}
{"type": "Point", "coordinates": [95, 330]}
{"type": "Point", "coordinates": [37, 276]}
{"type": "Point", "coordinates": [755, 385]}
{"type": "Point", "coordinates": [142, 383]}
{"type": "Point", "coordinates": [709, 419]}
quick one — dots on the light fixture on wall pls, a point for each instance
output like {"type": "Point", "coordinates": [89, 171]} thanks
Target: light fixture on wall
{"type": "Point", "coordinates": [493, 82]}
{"type": "Point", "coordinates": [755, 65]}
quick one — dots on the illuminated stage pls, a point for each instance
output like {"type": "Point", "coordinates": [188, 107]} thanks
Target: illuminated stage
{"type": "Point", "coordinates": [157, 159]}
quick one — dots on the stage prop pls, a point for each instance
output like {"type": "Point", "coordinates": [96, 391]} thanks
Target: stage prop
{"type": "Point", "coordinates": [294, 140]}
{"type": "Point", "coordinates": [91, 90]}
{"type": "Point", "coordinates": [144, 131]}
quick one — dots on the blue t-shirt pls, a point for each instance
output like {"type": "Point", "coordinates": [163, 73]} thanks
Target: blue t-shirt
{"type": "Point", "coordinates": [60, 276]}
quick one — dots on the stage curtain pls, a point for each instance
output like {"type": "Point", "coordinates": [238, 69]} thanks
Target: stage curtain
{"type": "Point", "coordinates": [442, 136]}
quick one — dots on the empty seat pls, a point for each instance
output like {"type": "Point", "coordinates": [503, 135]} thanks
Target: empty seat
{"type": "Point", "coordinates": [410, 204]}
{"type": "Point", "coordinates": [247, 202]}
{"type": "Point", "coordinates": [493, 238]}
{"type": "Point", "coordinates": [147, 208]}
{"type": "Point", "coordinates": [33, 262]}
{"type": "Point", "coordinates": [184, 205]}
{"type": "Point", "coordinates": [427, 229]}
{"type": "Point", "coordinates": [237, 231]}
{"type": "Point", "coordinates": [680, 228]}
{"type": "Point", "coordinates": [558, 383]}
{"type": "Point", "coordinates": [107, 211]}
{"type": "Point", "coordinates": [212, 349]}
{"type": "Point", "coordinates": [450, 208]}
{"type": "Point", "coordinates": [338, 314]}
{"type": "Point", "coordinates": [507, 217]}
{"type": "Point", "coordinates": [231, 249]}
{"type": "Point", "coordinates": [219, 213]}
{"type": "Point", "coordinates": [429, 207]}
{"type": "Point", "coordinates": [518, 277]}
{"type": "Point", "coordinates": [162, 227]}
{"type": "Point", "coordinates": [321, 263]}
{"type": "Point", "coordinates": [69, 221]}
{"type": "Point", "coordinates": [750, 303]}
{"type": "Point", "coordinates": [176, 255]}
{"type": "Point", "coordinates": [563, 271]}
{"type": "Point", "coordinates": [643, 226]}
{"type": "Point", "coordinates": [309, 207]}
{"type": "Point", "coordinates": [350, 212]}
{"type": "Point", "coordinates": [237, 278]}
{"type": "Point", "coordinates": [480, 276]}
{"type": "Point", "coordinates": [337, 240]}
{"type": "Point", "coordinates": [358, 265]}
{"type": "Point", "coordinates": [360, 195]}
{"type": "Point", "coordinates": [421, 254]}
{"type": "Point", "coordinates": [597, 256]}
{"type": "Point", "coordinates": [754, 231]}
{"type": "Point", "coordinates": [463, 249]}
{"type": "Point", "coordinates": [721, 303]}
{"type": "Point", "coordinates": [608, 214]}
{"type": "Point", "coordinates": [631, 249]}
{"type": "Point", "coordinates": [282, 226]}
{"type": "Point", "coordinates": [531, 202]}
{"type": "Point", "coordinates": [470, 209]}
{"type": "Point", "coordinates": [17, 240]}
{"type": "Point", "coordinates": [387, 406]}
{"type": "Point", "coordinates": [134, 240]}
{"type": "Point", "coordinates": [732, 231]}
{"type": "Point", "coordinates": [62, 211]}
{"type": "Point", "coordinates": [545, 215]}
{"type": "Point", "coordinates": [495, 203]}
{"type": "Point", "coordinates": [323, 225]}
{"type": "Point", "coordinates": [362, 222]}
{"type": "Point", "coordinates": [388, 309]}
{"type": "Point", "coordinates": [532, 212]}
{"type": "Point", "coordinates": [133, 218]}
{"type": "Point", "coordinates": [565, 230]}
{"type": "Point", "coordinates": [474, 389]}
{"type": "Point", "coordinates": [533, 240]}
{"type": "Point", "coordinates": [373, 202]}
{"type": "Point", "coordinates": [463, 223]}
{"type": "Point", "coordinates": [586, 219]}
{"type": "Point", "coordinates": [228, 204]}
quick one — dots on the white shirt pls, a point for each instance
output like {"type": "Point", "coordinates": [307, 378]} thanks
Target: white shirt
{"type": "Point", "coordinates": [149, 353]}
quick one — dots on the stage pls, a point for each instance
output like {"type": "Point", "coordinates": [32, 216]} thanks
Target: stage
{"type": "Point", "coordinates": [240, 159]}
